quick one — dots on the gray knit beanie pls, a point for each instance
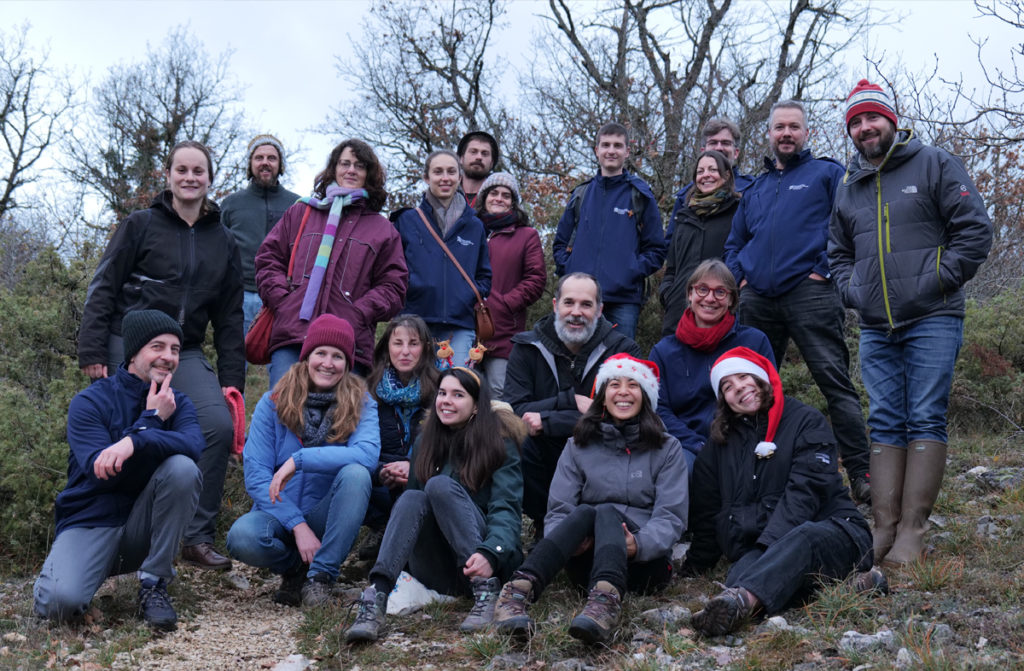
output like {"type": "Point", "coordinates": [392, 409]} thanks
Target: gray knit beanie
{"type": "Point", "coordinates": [258, 142]}
{"type": "Point", "coordinates": [140, 326]}
{"type": "Point", "coordinates": [499, 179]}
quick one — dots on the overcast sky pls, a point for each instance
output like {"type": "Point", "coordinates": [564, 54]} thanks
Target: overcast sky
{"type": "Point", "coordinates": [284, 51]}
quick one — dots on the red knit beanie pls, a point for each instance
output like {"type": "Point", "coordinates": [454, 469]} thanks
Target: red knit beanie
{"type": "Point", "coordinates": [868, 97]}
{"type": "Point", "coordinates": [745, 360]}
{"type": "Point", "coordinates": [332, 331]}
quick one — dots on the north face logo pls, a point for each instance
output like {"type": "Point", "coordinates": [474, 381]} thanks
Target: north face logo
{"type": "Point", "coordinates": [909, 189]}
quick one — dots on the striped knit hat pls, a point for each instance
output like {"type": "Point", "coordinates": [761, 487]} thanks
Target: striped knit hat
{"type": "Point", "coordinates": [868, 97]}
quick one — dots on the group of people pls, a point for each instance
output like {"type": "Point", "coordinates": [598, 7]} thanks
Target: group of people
{"type": "Point", "coordinates": [440, 453]}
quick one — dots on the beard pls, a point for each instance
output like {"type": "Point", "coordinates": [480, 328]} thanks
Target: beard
{"type": "Point", "coordinates": [574, 336]}
{"type": "Point", "coordinates": [886, 137]}
{"type": "Point", "coordinates": [476, 171]}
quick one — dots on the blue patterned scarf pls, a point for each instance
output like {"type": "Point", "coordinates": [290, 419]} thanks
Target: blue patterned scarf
{"type": "Point", "coordinates": [405, 399]}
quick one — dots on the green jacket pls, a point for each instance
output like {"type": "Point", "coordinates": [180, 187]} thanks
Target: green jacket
{"type": "Point", "coordinates": [250, 214]}
{"type": "Point", "coordinates": [501, 503]}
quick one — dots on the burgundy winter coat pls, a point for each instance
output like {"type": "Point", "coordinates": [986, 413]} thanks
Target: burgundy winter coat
{"type": "Point", "coordinates": [365, 281]}
{"type": "Point", "coordinates": [518, 279]}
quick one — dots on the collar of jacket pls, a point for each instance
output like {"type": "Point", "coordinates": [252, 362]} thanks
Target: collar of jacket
{"type": "Point", "coordinates": [165, 203]}
{"type": "Point", "coordinates": [260, 190]}
{"type": "Point", "coordinates": [801, 158]}
{"type": "Point", "coordinates": [903, 147]}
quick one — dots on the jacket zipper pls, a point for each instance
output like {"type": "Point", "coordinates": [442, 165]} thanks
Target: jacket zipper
{"type": "Point", "coordinates": [189, 270]}
{"type": "Point", "coordinates": [883, 245]}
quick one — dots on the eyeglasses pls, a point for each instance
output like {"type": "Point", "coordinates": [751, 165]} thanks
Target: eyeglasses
{"type": "Point", "coordinates": [703, 290]}
{"type": "Point", "coordinates": [348, 165]}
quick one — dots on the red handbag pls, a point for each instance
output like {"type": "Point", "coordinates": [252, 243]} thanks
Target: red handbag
{"type": "Point", "coordinates": [257, 338]}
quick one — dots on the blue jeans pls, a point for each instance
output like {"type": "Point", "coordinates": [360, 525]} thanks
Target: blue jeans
{"type": "Point", "coordinates": [251, 304]}
{"type": "Point", "coordinates": [624, 316]}
{"type": "Point", "coordinates": [462, 340]}
{"type": "Point", "coordinates": [908, 374]}
{"type": "Point", "coordinates": [813, 317]}
{"type": "Point", "coordinates": [257, 538]}
{"type": "Point", "coordinates": [281, 359]}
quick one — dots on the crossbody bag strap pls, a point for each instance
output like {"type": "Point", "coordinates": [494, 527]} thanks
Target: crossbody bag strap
{"type": "Point", "coordinates": [472, 284]}
{"type": "Point", "coordinates": [295, 245]}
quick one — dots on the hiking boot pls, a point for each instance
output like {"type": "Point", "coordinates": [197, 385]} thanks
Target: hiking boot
{"type": "Point", "coordinates": [316, 591]}
{"type": "Point", "coordinates": [873, 582]}
{"type": "Point", "coordinates": [599, 618]}
{"type": "Point", "coordinates": [510, 616]}
{"type": "Point", "coordinates": [204, 556]}
{"type": "Point", "coordinates": [290, 591]}
{"type": "Point", "coordinates": [371, 545]}
{"type": "Point", "coordinates": [155, 605]}
{"type": "Point", "coordinates": [724, 613]}
{"type": "Point", "coordinates": [485, 595]}
{"type": "Point", "coordinates": [369, 624]}
{"type": "Point", "coordinates": [860, 489]}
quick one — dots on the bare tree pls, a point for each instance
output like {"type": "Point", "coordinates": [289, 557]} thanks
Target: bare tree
{"type": "Point", "coordinates": [35, 103]}
{"type": "Point", "coordinates": [423, 77]}
{"type": "Point", "coordinates": [664, 67]}
{"type": "Point", "coordinates": [140, 110]}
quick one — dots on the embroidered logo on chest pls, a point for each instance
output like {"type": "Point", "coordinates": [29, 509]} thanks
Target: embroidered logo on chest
{"type": "Point", "coordinates": [909, 189]}
{"type": "Point", "coordinates": [636, 475]}
{"type": "Point", "coordinates": [462, 241]}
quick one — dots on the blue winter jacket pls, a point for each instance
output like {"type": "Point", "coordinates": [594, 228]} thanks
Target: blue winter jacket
{"type": "Point", "coordinates": [780, 230]}
{"type": "Point", "coordinates": [102, 414]}
{"type": "Point", "coordinates": [271, 443]}
{"type": "Point", "coordinates": [606, 244]}
{"type": "Point", "coordinates": [437, 291]}
{"type": "Point", "coordinates": [686, 401]}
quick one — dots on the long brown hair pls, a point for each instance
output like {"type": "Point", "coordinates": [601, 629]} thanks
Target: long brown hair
{"type": "Point", "coordinates": [291, 392]}
{"type": "Point", "coordinates": [425, 370]}
{"type": "Point", "coordinates": [726, 417]}
{"type": "Point", "coordinates": [476, 449]}
{"type": "Point", "coordinates": [588, 429]}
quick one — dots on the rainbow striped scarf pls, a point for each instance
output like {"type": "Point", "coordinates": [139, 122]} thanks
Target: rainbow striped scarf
{"type": "Point", "coordinates": [337, 198]}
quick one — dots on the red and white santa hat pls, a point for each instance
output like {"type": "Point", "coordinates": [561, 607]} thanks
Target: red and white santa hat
{"type": "Point", "coordinates": [623, 365]}
{"type": "Point", "coordinates": [745, 360]}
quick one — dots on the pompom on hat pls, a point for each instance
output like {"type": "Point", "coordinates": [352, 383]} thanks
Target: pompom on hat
{"type": "Point", "coordinates": [868, 97]}
{"type": "Point", "coordinates": [332, 331]}
{"type": "Point", "coordinates": [644, 372]}
{"type": "Point", "coordinates": [745, 360]}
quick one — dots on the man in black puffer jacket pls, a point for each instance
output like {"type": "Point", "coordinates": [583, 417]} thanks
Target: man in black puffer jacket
{"type": "Point", "coordinates": [908, 230]}
{"type": "Point", "coordinates": [550, 379]}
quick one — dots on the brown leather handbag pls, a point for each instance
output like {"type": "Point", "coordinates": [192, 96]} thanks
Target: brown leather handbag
{"type": "Point", "coordinates": [484, 323]}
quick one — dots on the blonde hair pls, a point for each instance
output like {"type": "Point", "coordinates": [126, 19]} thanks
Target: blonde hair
{"type": "Point", "coordinates": [291, 392]}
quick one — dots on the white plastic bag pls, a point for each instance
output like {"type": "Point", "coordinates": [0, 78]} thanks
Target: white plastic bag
{"type": "Point", "coordinates": [409, 595]}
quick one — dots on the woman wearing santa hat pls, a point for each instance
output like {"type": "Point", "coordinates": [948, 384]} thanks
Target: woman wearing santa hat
{"type": "Point", "coordinates": [768, 495]}
{"type": "Point", "coordinates": [617, 504]}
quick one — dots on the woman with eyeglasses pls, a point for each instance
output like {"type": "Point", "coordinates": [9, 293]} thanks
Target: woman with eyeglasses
{"type": "Point", "coordinates": [703, 217]}
{"type": "Point", "coordinates": [706, 329]}
{"type": "Point", "coordinates": [348, 259]}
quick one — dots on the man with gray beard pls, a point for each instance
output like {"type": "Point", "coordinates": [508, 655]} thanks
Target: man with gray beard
{"type": "Point", "coordinates": [550, 378]}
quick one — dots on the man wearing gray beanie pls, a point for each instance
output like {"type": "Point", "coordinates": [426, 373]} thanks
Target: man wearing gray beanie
{"type": "Point", "coordinates": [250, 213]}
{"type": "Point", "coordinates": [127, 503]}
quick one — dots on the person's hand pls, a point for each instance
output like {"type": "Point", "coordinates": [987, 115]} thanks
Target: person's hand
{"type": "Point", "coordinates": [533, 422]}
{"type": "Point", "coordinates": [306, 542]}
{"type": "Point", "coordinates": [630, 542]}
{"type": "Point", "coordinates": [816, 277]}
{"type": "Point", "coordinates": [477, 566]}
{"type": "Point", "coordinates": [161, 398]}
{"type": "Point", "coordinates": [280, 479]}
{"type": "Point", "coordinates": [587, 543]}
{"type": "Point", "coordinates": [395, 474]}
{"type": "Point", "coordinates": [583, 402]}
{"type": "Point", "coordinates": [95, 370]}
{"type": "Point", "coordinates": [109, 462]}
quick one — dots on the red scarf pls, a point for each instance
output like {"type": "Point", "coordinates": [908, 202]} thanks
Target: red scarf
{"type": "Point", "coordinates": [703, 339]}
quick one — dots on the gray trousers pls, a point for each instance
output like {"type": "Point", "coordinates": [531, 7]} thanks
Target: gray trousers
{"type": "Point", "coordinates": [196, 379]}
{"type": "Point", "coordinates": [81, 558]}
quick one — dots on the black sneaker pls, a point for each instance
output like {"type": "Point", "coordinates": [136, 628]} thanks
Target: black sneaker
{"type": "Point", "coordinates": [290, 591]}
{"type": "Point", "coordinates": [155, 605]}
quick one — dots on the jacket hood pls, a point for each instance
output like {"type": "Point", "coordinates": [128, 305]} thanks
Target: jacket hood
{"type": "Point", "coordinates": [904, 147]}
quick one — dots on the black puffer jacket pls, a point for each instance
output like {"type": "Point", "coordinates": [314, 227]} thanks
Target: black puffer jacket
{"type": "Point", "coordinates": [543, 376]}
{"type": "Point", "coordinates": [739, 502]}
{"type": "Point", "coordinates": [193, 273]}
{"type": "Point", "coordinates": [695, 239]}
{"type": "Point", "coordinates": [905, 237]}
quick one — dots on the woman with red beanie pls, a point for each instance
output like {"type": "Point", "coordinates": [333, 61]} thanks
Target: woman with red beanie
{"type": "Point", "coordinates": [767, 494]}
{"type": "Point", "coordinates": [313, 442]}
